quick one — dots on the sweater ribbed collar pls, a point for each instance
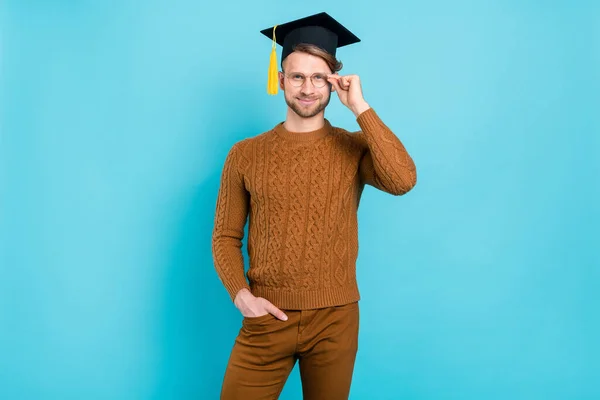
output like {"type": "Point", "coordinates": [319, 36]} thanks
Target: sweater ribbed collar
{"type": "Point", "coordinates": [303, 136]}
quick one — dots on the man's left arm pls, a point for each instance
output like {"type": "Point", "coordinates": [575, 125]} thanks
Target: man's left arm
{"type": "Point", "coordinates": [386, 164]}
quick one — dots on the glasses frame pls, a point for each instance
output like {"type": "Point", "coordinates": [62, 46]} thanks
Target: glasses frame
{"type": "Point", "coordinates": [287, 75]}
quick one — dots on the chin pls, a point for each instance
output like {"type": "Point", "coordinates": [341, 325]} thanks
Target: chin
{"type": "Point", "coordinates": [308, 110]}
{"type": "Point", "coordinates": [308, 113]}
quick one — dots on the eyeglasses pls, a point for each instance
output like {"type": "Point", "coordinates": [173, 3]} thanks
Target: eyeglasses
{"type": "Point", "coordinates": [297, 79]}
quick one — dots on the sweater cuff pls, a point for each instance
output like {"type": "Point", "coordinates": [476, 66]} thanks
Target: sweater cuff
{"type": "Point", "coordinates": [236, 281]}
{"type": "Point", "coordinates": [234, 287]}
{"type": "Point", "coordinates": [368, 120]}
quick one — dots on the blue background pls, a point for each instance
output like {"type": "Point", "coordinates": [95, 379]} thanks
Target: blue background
{"type": "Point", "coordinates": [481, 283]}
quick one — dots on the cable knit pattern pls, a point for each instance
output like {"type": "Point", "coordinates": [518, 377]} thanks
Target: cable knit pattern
{"type": "Point", "coordinates": [300, 192]}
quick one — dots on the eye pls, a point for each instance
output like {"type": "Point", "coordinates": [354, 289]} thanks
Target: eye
{"type": "Point", "coordinates": [319, 77]}
{"type": "Point", "coordinates": [298, 77]}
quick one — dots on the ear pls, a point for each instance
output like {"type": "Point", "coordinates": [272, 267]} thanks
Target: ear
{"type": "Point", "coordinates": [281, 79]}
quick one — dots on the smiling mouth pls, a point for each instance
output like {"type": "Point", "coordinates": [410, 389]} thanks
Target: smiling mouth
{"type": "Point", "coordinates": [307, 101]}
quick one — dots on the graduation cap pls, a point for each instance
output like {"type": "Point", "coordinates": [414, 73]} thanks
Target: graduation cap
{"type": "Point", "coordinates": [318, 29]}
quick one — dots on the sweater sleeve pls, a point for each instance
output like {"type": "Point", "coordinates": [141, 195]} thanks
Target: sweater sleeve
{"type": "Point", "coordinates": [386, 165]}
{"type": "Point", "coordinates": [230, 219]}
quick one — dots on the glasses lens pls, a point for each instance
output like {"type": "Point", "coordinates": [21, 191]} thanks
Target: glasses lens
{"type": "Point", "coordinates": [319, 80]}
{"type": "Point", "coordinates": [297, 79]}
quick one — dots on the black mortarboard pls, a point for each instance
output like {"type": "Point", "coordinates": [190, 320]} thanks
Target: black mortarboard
{"type": "Point", "coordinates": [318, 29]}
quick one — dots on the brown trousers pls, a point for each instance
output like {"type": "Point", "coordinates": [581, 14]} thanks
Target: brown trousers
{"type": "Point", "coordinates": [325, 341]}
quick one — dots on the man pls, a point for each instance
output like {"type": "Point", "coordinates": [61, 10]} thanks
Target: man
{"type": "Point", "coordinates": [300, 183]}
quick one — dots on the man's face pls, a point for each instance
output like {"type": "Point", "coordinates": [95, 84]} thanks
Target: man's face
{"type": "Point", "coordinates": [306, 100]}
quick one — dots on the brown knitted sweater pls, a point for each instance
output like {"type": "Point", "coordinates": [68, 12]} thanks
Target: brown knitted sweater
{"type": "Point", "coordinates": [301, 191]}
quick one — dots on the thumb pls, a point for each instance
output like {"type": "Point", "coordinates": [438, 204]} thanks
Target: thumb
{"type": "Point", "coordinates": [276, 311]}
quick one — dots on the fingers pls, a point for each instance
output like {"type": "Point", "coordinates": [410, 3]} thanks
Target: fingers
{"type": "Point", "coordinates": [338, 82]}
{"type": "Point", "coordinates": [335, 84]}
{"type": "Point", "coordinates": [343, 81]}
{"type": "Point", "coordinates": [276, 312]}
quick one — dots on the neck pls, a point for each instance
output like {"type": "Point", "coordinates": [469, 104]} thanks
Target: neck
{"type": "Point", "coordinates": [295, 123]}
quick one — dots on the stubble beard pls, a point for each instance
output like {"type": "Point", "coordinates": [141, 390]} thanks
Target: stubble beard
{"type": "Point", "coordinates": [305, 112]}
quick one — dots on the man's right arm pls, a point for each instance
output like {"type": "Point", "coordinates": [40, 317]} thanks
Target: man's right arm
{"type": "Point", "coordinates": [230, 218]}
{"type": "Point", "coordinates": [233, 203]}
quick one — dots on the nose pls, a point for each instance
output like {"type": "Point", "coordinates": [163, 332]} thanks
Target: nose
{"type": "Point", "coordinates": [307, 86]}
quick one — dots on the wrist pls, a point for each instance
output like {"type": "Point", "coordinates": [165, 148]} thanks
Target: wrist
{"type": "Point", "coordinates": [360, 108]}
{"type": "Point", "coordinates": [241, 295]}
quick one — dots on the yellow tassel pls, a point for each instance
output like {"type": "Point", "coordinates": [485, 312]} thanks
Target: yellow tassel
{"type": "Point", "coordinates": [272, 82]}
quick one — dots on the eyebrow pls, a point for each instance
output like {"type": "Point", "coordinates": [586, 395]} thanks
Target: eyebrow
{"type": "Point", "coordinates": [314, 73]}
